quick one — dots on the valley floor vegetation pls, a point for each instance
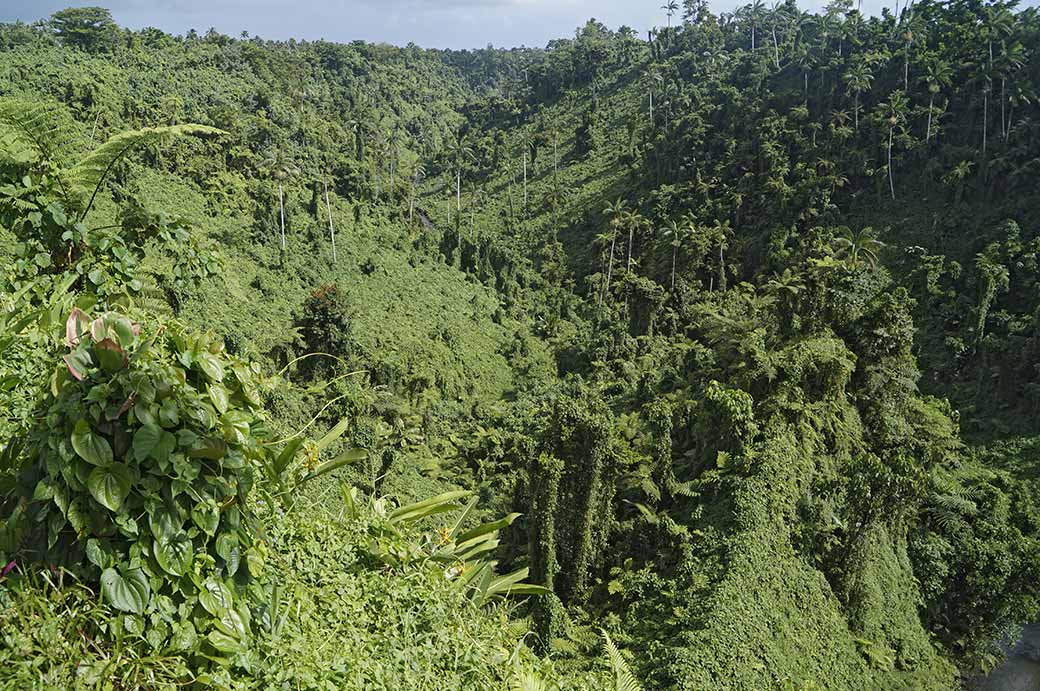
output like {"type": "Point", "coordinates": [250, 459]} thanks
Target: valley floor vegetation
{"type": "Point", "coordinates": [704, 361]}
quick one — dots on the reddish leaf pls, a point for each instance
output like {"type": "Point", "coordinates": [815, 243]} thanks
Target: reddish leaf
{"type": "Point", "coordinates": [77, 324]}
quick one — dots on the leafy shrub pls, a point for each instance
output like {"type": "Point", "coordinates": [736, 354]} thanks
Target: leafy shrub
{"type": "Point", "coordinates": [137, 478]}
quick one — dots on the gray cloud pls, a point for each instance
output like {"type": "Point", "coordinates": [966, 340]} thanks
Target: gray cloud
{"type": "Point", "coordinates": [432, 23]}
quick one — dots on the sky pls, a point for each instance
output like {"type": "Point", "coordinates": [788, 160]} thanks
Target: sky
{"type": "Point", "coordinates": [428, 23]}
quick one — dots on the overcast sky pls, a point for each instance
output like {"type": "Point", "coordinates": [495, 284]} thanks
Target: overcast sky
{"type": "Point", "coordinates": [429, 23]}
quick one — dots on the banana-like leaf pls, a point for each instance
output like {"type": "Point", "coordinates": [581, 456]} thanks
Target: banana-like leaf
{"type": "Point", "coordinates": [333, 434]}
{"type": "Point", "coordinates": [486, 528]}
{"type": "Point", "coordinates": [344, 459]}
{"type": "Point", "coordinates": [442, 503]}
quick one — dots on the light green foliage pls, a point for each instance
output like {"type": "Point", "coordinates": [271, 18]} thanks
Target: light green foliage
{"type": "Point", "coordinates": [713, 421]}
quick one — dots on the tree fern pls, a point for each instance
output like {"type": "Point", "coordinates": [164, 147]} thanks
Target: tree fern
{"type": "Point", "coordinates": [29, 130]}
{"type": "Point", "coordinates": [88, 174]}
{"type": "Point", "coordinates": [624, 680]}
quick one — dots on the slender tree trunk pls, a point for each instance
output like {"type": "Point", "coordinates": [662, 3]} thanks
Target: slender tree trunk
{"type": "Point", "coordinates": [610, 267]}
{"type": "Point", "coordinates": [281, 208]}
{"type": "Point", "coordinates": [722, 269]}
{"type": "Point", "coordinates": [776, 50]}
{"type": "Point", "coordinates": [628, 265]}
{"type": "Point", "coordinates": [985, 119]}
{"type": "Point", "coordinates": [752, 37]}
{"type": "Point", "coordinates": [928, 132]}
{"type": "Point", "coordinates": [525, 182]}
{"type": "Point", "coordinates": [1003, 100]}
{"type": "Point", "coordinates": [458, 189]}
{"type": "Point", "coordinates": [332, 228]}
{"type": "Point", "coordinates": [891, 179]}
{"type": "Point", "coordinates": [1011, 114]}
{"type": "Point", "coordinates": [93, 130]}
{"type": "Point", "coordinates": [675, 253]}
{"type": "Point", "coordinates": [855, 110]}
{"type": "Point", "coordinates": [556, 154]}
{"type": "Point", "coordinates": [651, 108]}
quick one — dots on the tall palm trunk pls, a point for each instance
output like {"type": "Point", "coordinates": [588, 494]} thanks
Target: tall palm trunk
{"type": "Point", "coordinates": [281, 208]}
{"type": "Point", "coordinates": [776, 50]}
{"type": "Point", "coordinates": [332, 228]}
{"type": "Point", "coordinates": [525, 182]}
{"type": "Point", "coordinates": [458, 189]}
{"type": "Point", "coordinates": [928, 132]}
{"type": "Point", "coordinates": [722, 269]}
{"type": "Point", "coordinates": [855, 110]}
{"type": "Point", "coordinates": [610, 268]}
{"type": "Point", "coordinates": [985, 118]}
{"type": "Point", "coordinates": [675, 254]}
{"type": "Point", "coordinates": [1003, 100]}
{"type": "Point", "coordinates": [628, 265]}
{"type": "Point", "coordinates": [891, 179]}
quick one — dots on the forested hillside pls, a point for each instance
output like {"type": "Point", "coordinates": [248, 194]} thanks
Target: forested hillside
{"type": "Point", "coordinates": [709, 359]}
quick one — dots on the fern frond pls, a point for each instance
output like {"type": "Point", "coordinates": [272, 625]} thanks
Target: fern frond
{"type": "Point", "coordinates": [29, 130]}
{"type": "Point", "coordinates": [526, 680]}
{"type": "Point", "coordinates": [88, 175]}
{"type": "Point", "coordinates": [624, 680]}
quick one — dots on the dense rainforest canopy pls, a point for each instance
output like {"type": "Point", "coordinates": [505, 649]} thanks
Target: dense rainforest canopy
{"type": "Point", "coordinates": [706, 359]}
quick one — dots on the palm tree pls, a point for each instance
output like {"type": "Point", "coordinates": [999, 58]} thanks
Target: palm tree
{"type": "Point", "coordinates": [616, 212]}
{"type": "Point", "coordinates": [678, 232]}
{"type": "Point", "coordinates": [332, 228]}
{"type": "Point", "coordinates": [652, 78]}
{"type": "Point", "coordinates": [861, 246]}
{"type": "Point", "coordinates": [754, 12]}
{"type": "Point", "coordinates": [418, 173]}
{"type": "Point", "coordinates": [938, 74]}
{"type": "Point", "coordinates": [1012, 59]}
{"type": "Point", "coordinates": [459, 151]}
{"type": "Point", "coordinates": [670, 8]}
{"type": "Point", "coordinates": [858, 80]}
{"type": "Point", "coordinates": [633, 219]}
{"type": "Point", "coordinates": [893, 114]}
{"type": "Point", "coordinates": [720, 232]}
{"type": "Point", "coordinates": [281, 168]}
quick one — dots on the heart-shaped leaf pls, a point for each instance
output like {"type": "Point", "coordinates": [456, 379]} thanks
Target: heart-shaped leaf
{"type": "Point", "coordinates": [175, 553]}
{"type": "Point", "coordinates": [89, 446]}
{"type": "Point", "coordinates": [110, 355]}
{"type": "Point", "coordinates": [146, 439]}
{"type": "Point", "coordinates": [127, 591]}
{"type": "Point", "coordinates": [110, 485]}
{"type": "Point", "coordinates": [219, 395]}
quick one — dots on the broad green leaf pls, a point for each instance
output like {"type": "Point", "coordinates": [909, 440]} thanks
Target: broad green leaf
{"type": "Point", "coordinates": [333, 434]}
{"type": "Point", "coordinates": [211, 448]}
{"type": "Point", "coordinates": [174, 553]}
{"type": "Point", "coordinates": [219, 395]}
{"type": "Point", "coordinates": [206, 515]}
{"type": "Point", "coordinates": [110, 355]}
{"type": "Point", "coordinates": [211, 366]}
{"type": "Point", "coordinates": [146, 439]}
{"type": "Point", "coordinates": [429, 507]}
{"type": "Point", "coordinates": [110, 485]}
{"type": "Point", "coordinates": [215, 598]}
{"type": "Point", "coordinates": [127, 591]}
{"type": "Point", "coordinates": [89, 446]}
